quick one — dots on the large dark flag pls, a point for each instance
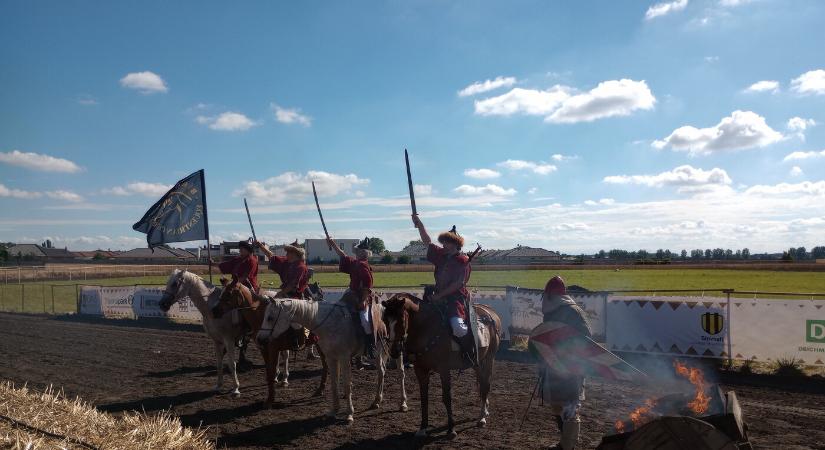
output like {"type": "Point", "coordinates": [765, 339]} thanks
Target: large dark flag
{"type": "Point", "coordinates": [179, 216]}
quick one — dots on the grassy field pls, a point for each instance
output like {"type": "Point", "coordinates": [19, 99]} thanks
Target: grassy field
{"type": "Point", "coordinates": [37, 297]}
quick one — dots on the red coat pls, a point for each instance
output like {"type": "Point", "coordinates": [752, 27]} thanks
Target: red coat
{"type": "Point", "coordinates": [360, 273]}
{"type": "Point", "coordinates": [447, 271]}
{"type": "Point", "coordinates": [242, 268]}
{"type": "Point", "coordinates": [290, 273]}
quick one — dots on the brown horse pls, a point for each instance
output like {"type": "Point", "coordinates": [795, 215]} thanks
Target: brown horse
{"type": "Point", "coordinates": [421, 328]}
{"type": "Point", "coordinates": [252, 308]}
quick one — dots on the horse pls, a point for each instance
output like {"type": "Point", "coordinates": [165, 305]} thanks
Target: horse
{"type": "Point", "coordinates": [252, 308]}
{"type": "Point", "coordinates": [339, 340]}
{"type": "Point", "coordinates": [422, 330]}
{"type": "Point", "coordinates": [222, 330]}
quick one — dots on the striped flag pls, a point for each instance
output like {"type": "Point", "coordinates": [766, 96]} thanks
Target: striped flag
{"type": "Point", "coordinates": [567, 351]}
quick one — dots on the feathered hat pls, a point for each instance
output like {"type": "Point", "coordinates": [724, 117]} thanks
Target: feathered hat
{"type": "Point", "coordinates": [363, 245]}
{"type": "Point", "coordinates": [451, 236]}
{"type": "Point", "coordinates": [296, 248]}
{"type": "Point", "coordinates": [247, 244]}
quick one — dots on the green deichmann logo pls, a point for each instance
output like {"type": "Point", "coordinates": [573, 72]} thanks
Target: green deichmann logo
{"type": "Point", "coordinates": [713, 323]}
{"type": "Point", "coordinates": [815, 331]}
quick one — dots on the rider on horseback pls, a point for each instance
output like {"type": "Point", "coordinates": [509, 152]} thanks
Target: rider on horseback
{"type": "Point", "coordinates": [291, 269]}
{"type": "Point", "coordinates": [562, 391]}
{"type": "Point", "coordinates": [452, 271]}
{"type": "Point", "coordinates": [359, 293]}
{"type": "Point", "coordinates": [243, 268]}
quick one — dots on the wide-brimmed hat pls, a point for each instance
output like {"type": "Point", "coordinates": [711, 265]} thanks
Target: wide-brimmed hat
{"type": "Point", "coordinates": [363, 245]}
{"type": "Point", "coordinates": [451, 236]}
{"type": "Point", "coordinates": [296, 249]}
{"type": "Point", "coordinates": [247, 244]}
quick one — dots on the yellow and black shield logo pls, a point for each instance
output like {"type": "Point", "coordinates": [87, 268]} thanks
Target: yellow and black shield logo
{"type": "Point", "coordinates": [713, 323]}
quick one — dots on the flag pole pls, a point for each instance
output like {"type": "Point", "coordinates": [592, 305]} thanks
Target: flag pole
{"type": "Point", "coordinates": [206, 226]}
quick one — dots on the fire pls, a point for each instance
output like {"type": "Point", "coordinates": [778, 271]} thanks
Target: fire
{"type": "Point", "coordinates": [642, 414]}
{"type": "Point", "coordinates": [699, 404]}
{"type": "Point", "coordinates": [619, 425]}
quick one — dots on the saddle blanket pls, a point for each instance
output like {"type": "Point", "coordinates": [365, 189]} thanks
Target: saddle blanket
{"type": "Point", "coordinates": [483, 337]}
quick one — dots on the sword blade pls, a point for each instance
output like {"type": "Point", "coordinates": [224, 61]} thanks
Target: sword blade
{"type": "Point", "coordinates": [318, 207]}
{"type": "Point", "coordinates": [250, 220]}
{"type": "Point", "coordinates": [410, 183]}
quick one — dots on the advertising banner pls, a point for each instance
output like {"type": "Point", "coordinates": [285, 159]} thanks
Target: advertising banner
{"type": "Point", "coordinates": [525, 311]}
{"type": "Point", "coordinates": [769, 329]}
{"type": "Point", "coordinates": [684, 326]}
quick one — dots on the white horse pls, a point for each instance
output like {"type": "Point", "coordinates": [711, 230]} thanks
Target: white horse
{"type": "Point", "coordinates": [224, 331]}
{"type": "Point", "coordinates": [339, 342]}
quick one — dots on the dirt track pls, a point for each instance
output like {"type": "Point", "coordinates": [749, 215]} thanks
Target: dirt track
{"type": "Point", "coordinates": [125, 366]}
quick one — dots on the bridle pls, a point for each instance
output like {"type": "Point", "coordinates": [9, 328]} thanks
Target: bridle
{"type": "Point", "coordinates": [178, 284]}
{"type": "Point", "coordinates": [275, 322]}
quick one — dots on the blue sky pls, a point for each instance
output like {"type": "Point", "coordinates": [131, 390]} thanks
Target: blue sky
{"type": "Point", "coordinates": [573, 126]}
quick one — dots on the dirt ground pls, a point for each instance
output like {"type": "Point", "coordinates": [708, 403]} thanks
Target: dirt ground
{"type": "Point", "coordinates": [127, 365]}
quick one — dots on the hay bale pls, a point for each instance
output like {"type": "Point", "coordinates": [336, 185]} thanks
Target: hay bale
{"type": "Point", "coordinates": [32, 420]}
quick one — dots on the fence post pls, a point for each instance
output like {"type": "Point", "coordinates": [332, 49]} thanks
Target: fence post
{"type": "Point", "coordinates": [22, 298]}
{"type": "Point", "coordinates": [730, 343]}
{"type": "Point", "coordinates": [43, 296]}
{"type": "Point", "coordinates": [52, 299]}
{"type": "Point", "coordinates": [18, 274]}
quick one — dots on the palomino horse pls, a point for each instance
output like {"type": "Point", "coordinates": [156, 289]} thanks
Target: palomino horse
{"type": "Point", "coordinates": [223, 332]}
{"type": "Point", "coordinates": [339, 340]}
{"type": "Point", "coordinates": [252, 308]}
{"type": "Point", "coordinates": [422, 328]}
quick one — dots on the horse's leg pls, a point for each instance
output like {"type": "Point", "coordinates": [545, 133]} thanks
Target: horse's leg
{"type": "Point", "coordinates": [447, 398]}
{"type": "Point", "coordinates": [400, 364]}
{"type": "Point", "coordinates": [347, 378]}
{"type": "Point", "coordinates": [382, 370]}
{"type": "Point", "coordinates": [230, 350]}
{"type": "Point", "coordinates": [219, 352]}
{"type": "Point", "coordinates": [319, 391]}
{"type": "Point", "coordinates": [423, 376]}
{"type": "Point", "coordinates": [285, 379]}
{"type": "Point", "coordinates": [484, 376]}
{"type": "Point", "coordinates": [335, 372]}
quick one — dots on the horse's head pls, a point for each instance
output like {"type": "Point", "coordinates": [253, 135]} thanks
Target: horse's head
{"type": "Point", "coordinates": [174, 291]}
{"type": "Point", "coordinates": [276, 321]}
{"type": "Point", "coordinates": [397, 310]}
{"type": "Point", "coordinates": [237, 296]}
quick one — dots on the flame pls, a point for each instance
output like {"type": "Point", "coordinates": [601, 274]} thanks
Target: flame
{"type": "Point", "coordinates": [619, 425]}
{"type": "Point", "coordinates": [642, 414]}
{"type": "Point", "coordinates": [700, 403]}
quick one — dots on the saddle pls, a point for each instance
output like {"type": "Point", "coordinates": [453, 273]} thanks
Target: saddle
{"type": "Point", "coordinates": [379, 329]}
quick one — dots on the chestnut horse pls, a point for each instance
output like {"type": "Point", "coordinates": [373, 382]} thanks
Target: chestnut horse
{"type": "Point", "coordinates": [421, 328]}
{"type": "Point", "coordinates": [252, 308]}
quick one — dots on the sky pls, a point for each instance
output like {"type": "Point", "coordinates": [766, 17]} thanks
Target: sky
{"type": "Point", "coordinates": [573, 126]}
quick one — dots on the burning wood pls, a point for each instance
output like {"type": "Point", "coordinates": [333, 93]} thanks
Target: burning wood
{"type": "Point", "coordinates": [699, 404]}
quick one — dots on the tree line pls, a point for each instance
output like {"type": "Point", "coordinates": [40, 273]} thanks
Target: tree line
{"type": "Point", "coordinates": [792, 254]}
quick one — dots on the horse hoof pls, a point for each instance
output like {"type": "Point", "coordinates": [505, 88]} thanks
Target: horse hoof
{"type": "Point", "coordinates": [404, 407]}
{"type": "Point", "coordinates": [421, 433]}
{"type": "Point", "coordinates": [482, 422]}
{"type": "Point", "coordinates": [452, 434]}
{"type": "Point", "coordinates": [283, 383]}
{"type": "Point", "coordinates": [350, 419]}
{"type": "Point", "coordinates": [236, 393]}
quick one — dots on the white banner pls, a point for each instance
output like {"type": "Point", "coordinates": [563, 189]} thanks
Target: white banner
{"type": "Point", "coordinates": [684, 326]}
{"type": "Point", "coordinates": [133, 301]}
{"type": "Point", "coordinates": [525, 311]}
{"type": "Point", "coordinates": [768, 329]}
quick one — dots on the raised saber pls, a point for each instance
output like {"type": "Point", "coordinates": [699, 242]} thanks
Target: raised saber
{"type": "Point", "coordinates": [410, 183]}
{"type": "Point", "coordinates": [318, 206]}
{"type": "Point", "coordinates": [250, 220]}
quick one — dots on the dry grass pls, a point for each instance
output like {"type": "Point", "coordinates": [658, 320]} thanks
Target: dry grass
{"type": "Point", "coordinates": [33, 420]}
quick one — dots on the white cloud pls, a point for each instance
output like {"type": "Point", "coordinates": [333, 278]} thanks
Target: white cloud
{"type": "Point", "coordinates": [139, 188]}
{"type": "Point", "coordinates": [37, 161]}
{"type": "Point", "coordinates": [805, 188]}
{"type": "Point", "coordinates": [711, 59]}
{"type": "Point", "coordinates": [796, 171]}
{"type": "Point", "coordinates": [487, 85]}
{"type": "Point", "coordinates": [602, 201]}
{"type": "Point", "coordinates": [665, 8]}
{"type": "Point", "coordinates": [799, 125]}
{"type": "Point", "coordinates": [145, 82]}
{"type": "Point", "coordinates": [17, 193]}
{"type": "Point", "coordinates": [490, 189]}
{"type": "Point", "coordinates": [86, 100]}
{"type": "Point", "coordinates": [481, 173]}
{"type": "Point", "coordinates": [763, 86]}
{"type": "Point", "coordinates": [65, 195]}
{"type": "Point", "coordinates": [532, 190]}
{"type": "Point", "coordinates": [539, 168]}
{"type": "Point", "coordinates": [290, 116]}
{"type": "Point", "coordinates": [562, 104]}
{"type": "Point", "coordinates": [228, 121]}
{"type": "Point", "coordinates": [811, 82]}
{"type": "Point", "coordinates": [292, 185]}
{"type": "Point", "coordinates": [798, 156]}
{"type": "Point", "coordinates": [559, 157]}
{"type": "Point", "coordinates": [423, 189]}
{"type": "Point", "coordinates": [741, 130]}
{"type": "Point", "coordinates": [686, 178]}
{"type": "Point", "coordinates": [733, 3]}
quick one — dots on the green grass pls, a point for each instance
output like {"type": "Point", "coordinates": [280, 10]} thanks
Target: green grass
{"type": "Point", "coordinates": [36, 295]}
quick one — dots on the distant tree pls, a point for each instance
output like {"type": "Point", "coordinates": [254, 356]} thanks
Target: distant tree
{"type": "Point", "coordinates": [98, 256]}
{"type": "Point", "coordinates": [801, 253]}
{"type": "Point", "coordinates": [416, 242]}
{"type": "Point", "coordinates": [377, 245]}
{"type": "Point", "coordinates": [818, 252]}
{"type": "Point", "coordinates": [403, 259]}
{"type": "Point", "coordinates": [718, 253]}
{"type": "Point", "coordinates": [738, 254]}
{"type": "Point", "coordinates": [728, 254]}
{"type": "Point", "coordinates": [786, 256]}
{"type": "Point", "coordinates": [642, 254]}
{"type": "Point", "coordinates": [746, 254]}
{"type": "Point", "coordinates": [684, 254]}
{"type": "Point", "coordinates": [386, 259]}
{"type": "Point", "coordinates": [792, 253]}
{"type": "Point", "coordinates": [4, 253]}
{"type": "Point", "coordinates": [660, 254]}
{"type": "Point", "coordinates": [602, 254]}
{"type": "Point", "coordinates": [708, 254]}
